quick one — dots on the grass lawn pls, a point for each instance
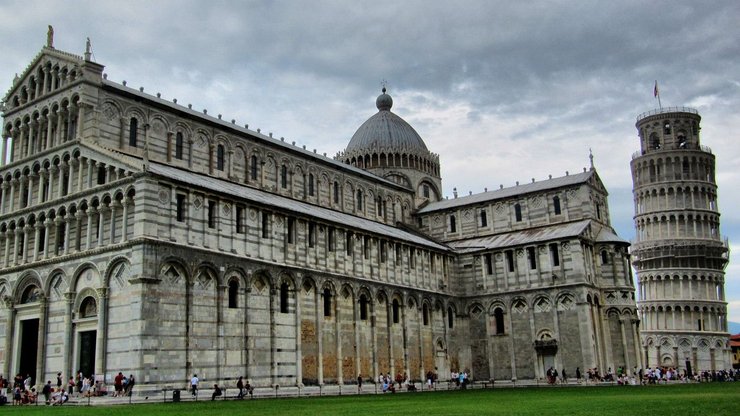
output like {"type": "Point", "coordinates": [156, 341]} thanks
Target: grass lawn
{"type": "Point", "coordinates": [693, 399]}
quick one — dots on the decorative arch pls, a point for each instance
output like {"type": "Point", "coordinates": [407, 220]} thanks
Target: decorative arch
{"type": "Point", "coordinates": [94, 279]}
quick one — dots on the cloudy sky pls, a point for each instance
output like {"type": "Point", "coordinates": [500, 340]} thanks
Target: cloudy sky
{"type": "Point", "coordinates": [502, 92]}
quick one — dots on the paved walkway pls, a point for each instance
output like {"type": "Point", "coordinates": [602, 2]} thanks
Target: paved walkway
{"type": "Point", "coordinates": [160, 396]}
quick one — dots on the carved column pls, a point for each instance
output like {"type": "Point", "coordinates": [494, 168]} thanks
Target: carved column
{"type": "Point", "coordinates": [298, 334]}
{"type": "Point", "coordinates": [22, 191]}
{"type": "Point", "coordinates": [24, 246]}
{"type": "Point", "coordinates": [42, 185]}
{"type": "Point", "coordinates": [320, 336]}
{"type": "Point", "coordinates": [60, 134]}
{"type": "Point", "coordinates": [273, 333]}
{"type": "Point", "coordinates": [25, 141]}
{"type": "Point", "coordinates": [4, 197]}
{"type": "Point", "coordinates": [13, 185]}
{"type": "Point", "coordinates": [113, 206]}
{"type": "Point", "coordinates": [374, 335]}
{"type": "Point", "coordinates": [9, 333]}
{"type": "Point", "coordinates": [36, 232]}
{"type": "Point", "coordinates": [47, 223]}
{"type": "Point", "coordinates": [6, 138]}
{"type": "Point", "coordinates": [90, 168]}
{"type": "Point", "coordinates": [14, 254]}
{"type": "Point", "coordinates": [41, 342]}
{"type": "Point", "coordinates": [101, 228]}
{"type": "Point", "coordinates": [102, 332]}
{"type": "Point", "coordinates": [338, 331]}
{"type": "Point", "coordinates": [29, 191]}
{"type": "Point", "coordinates": [62, 168]}
{"type": "Point", "coordinates": [91, 211]}
{"type": "Point", "coordinates": [356, 318]}
{"type": "Point", "coordinates": [405, 337]}
{"type": "Point", "coordinates": [627, 361]}
{"type": "Point", "coordinates": [389, 327]}
{"type": "Point", "coordinates": [66, 233]}
{"type": "Point", "coordinates": [69, 298]}
{"type": "Point", "coordinates": [32, 143]}
{"type": "Point", "coordinates": [70, 175]}
{"type": "Point", "coordinates": [49, 142]}
{"type": "Point", "coordinates": [80, 121]}
{"type": "Point", "coordinates": [78, 229]}
{"type": "Point", "coordinates": [52, 170]}
{"type": "Point", "coordinates": [124, 223]}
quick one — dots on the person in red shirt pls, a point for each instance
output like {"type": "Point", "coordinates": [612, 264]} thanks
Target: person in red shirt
{"type": "Point", "coordinates": [118, 384]}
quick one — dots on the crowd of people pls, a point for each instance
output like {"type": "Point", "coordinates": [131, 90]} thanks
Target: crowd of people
{"type": "Point", "coordinates": [22, 390]}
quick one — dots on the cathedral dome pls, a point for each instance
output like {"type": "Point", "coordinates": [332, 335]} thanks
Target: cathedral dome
{"type": "Point", "coordinates": [385, 132]}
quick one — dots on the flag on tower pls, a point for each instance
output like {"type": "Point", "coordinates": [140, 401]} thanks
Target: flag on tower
{"type": "Point", "coordinates": [656, 94]}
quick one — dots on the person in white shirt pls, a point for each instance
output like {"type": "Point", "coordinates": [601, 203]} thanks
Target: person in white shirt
{"type": "Point", "coordinates": [194, 385]}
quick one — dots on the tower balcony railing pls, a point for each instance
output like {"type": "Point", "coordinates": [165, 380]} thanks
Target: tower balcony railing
{"type": "Point", "coordinates": [665, 110]}
{"type": "Point", "coordinates": [688, 146]}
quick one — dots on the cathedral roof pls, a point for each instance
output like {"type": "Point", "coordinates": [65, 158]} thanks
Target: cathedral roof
{"type": "Point", "coordinates": [385, 132]}
{"type": "Point", "coordinates": [283, 203]}
{"type": "Point", "coordinates": [509, 192]}
{"type": "Point", "coordinates": [517, 238]}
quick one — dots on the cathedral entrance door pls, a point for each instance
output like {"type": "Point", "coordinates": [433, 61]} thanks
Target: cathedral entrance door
{"type": "Point", "coordinates": [29, 347]}
{"type": "Point", "coordinates": [548, 361]}
{"type": "Point", "coordinates": [87, 352]}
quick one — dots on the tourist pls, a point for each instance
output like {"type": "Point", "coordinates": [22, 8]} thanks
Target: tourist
{"type": "Point", "coordinates": [46, 391]}
{"type": "Point", "coordinates": [130, 385]}
{"type": "Point", "coordinates": [359, 383]}
{"type": "Point", "coordinates": [216, 392]}
{"type": "Point", "coordinates": [59, 381]}
{"type": "Point", "coordinates": [240, 387]}
{"type": "Point", "coordinates": [194, 385]}
{"type": "Point", "coordinates": [118, 385]}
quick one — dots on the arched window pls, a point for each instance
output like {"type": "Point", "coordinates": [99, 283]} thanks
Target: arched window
{"type": "Point", "coordinates": [284, 298]}
{"type": "Point", "coordinates": [327, 302]}
{"type": "Point", "coordinates": [31, 294]}
{"type": "Point", "coordinates": [654, 141]}
{"type": "Point", "coordinates": [336, 192]}
{"type": "Point", "coordinates": [604, 257]}
{"type": "Point", "coordinates": [178, 146]}
{"type": "Point", "coordinates": [359, 199]}
{"type": "Point", "coordinates": [310, 184]}
{"type": "Point", "coordinates": [133, 127]}
{"type": "Point", "coordinates": [556, 204]}
{"type": "Point", "coordinates": [220, 161]}
{"type": "Point", "coordinates": [518, 212]}
{"type": "Point", "coordinates": [450, 318]}
{"type": "Point", "coordinates": [88, 308]}
{"type": "Point", "coordinates": [363, 308]}
{"type": "Point", "coordinates": [233, 294]}
{"type": "Point", "coordinates": [425, 190]}
{"type": "Point", "coordinates": [498, 315]}
{"type": "Point", "coordinates": [483, 218]}
{"type": "Point", "coordinates": [283, 176]}
{"type": "Point", "coordinates": [253, 168]}
{"type": "Point", "coordinates": [425, 314]}
{"type": "Point", "coordinates": [453, 225]}
{"type": "Point", "coordinates": [396, 311]}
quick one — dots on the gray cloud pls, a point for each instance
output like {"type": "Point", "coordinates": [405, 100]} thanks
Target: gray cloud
{"type": "Point", "coordinates": [512, 90]}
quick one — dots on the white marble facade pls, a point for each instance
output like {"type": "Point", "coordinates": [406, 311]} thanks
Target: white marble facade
{"type": "Point", "coordinates": [139, 235]}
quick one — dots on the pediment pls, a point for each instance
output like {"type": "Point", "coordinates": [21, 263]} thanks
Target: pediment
{"type": "Point", "coordinates": [63, 68]}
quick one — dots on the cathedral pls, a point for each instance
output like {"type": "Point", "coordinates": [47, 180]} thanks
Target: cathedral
{"type": "Point", "coordinates": [140, 235]}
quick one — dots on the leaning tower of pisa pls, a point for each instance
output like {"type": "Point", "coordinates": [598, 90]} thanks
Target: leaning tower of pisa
{"type": "Point", "coordinates": [678, 252]}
